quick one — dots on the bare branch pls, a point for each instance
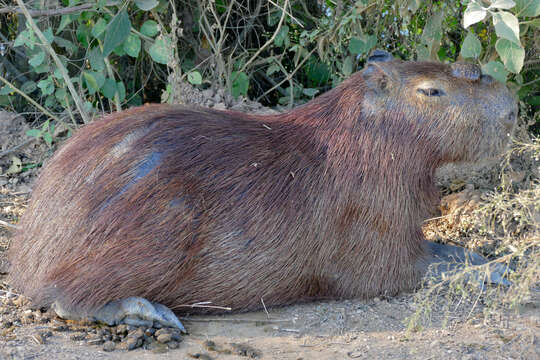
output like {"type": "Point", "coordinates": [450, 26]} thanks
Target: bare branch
{"type": "Point", "coordinates": [47, 12]}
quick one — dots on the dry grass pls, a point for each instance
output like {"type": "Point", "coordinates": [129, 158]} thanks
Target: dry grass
{"type": "Point", "coordinates": [504, 226]}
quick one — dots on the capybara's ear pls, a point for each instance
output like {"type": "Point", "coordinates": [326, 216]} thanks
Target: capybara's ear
{"type": "Point", "coordinates": [377, 76]}
{"type": "Point", "coordinates": [380, 56]}
{"type": "Point", "coordinates": [466, 71]}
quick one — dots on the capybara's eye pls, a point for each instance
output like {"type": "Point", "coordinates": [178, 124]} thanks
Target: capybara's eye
{"type": "Point", "coordinates": [431, 92]}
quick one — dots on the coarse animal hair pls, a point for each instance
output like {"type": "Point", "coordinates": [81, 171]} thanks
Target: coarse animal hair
{"type": "Point", "coordinates": [182, 204]}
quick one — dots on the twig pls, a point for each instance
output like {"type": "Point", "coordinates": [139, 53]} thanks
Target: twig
{"type": "Point", "coordinates": [29, 99]}
{"type": "Point", "coordinates": [288, 13]}
{"type": "Point", "coordinates": [271, 40]}
{"type": "Point", "coordinates": [15, 148]}
{"type": "Point", "coordinates": [48, 12]}
{"type": "Point", "coordinates": [8, 225]}
{"type": "Point", "coordinates": [288, 77]}
{"type": "Point", "coordinates": [531, 82]}
{"type": "Point", "coordinates": [237, 320]}
{"type": "Point", "coordinates": [207, 306]}
{"type": "Point", "coordinates": [266, 311]}
{"type": "Point", "coordinates": [111, 75]}
{"type": "Point", "coordinates": [61, 67]}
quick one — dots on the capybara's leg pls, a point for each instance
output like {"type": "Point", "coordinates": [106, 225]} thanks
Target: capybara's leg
{"type": "Point", "coordinates": [131, 311]}
{"type": "Point", "coordinates": [447, 258]}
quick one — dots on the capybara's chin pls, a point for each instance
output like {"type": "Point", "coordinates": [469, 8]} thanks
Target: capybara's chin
{"type": "Point", "coordinates": [180, 205]}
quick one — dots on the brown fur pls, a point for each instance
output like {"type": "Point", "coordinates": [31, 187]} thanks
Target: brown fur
{"type": "Point", "coordinates": [181, 205]}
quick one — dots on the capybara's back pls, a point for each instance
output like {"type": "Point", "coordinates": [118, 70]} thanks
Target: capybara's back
{"type": "Point", "coordinates": [181, 205]}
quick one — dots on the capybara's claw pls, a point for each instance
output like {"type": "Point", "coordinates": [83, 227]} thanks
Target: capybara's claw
{"type": "Point", "coordinates": [445, 259]}
{"type": "Point", "coordinates": [135, 311]}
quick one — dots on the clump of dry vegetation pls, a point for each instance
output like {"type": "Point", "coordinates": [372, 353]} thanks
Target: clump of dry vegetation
{"type": "Point", "coordinates": [504, 226]}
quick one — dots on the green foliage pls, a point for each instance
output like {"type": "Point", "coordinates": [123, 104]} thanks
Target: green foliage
{"type": "Point", "coordinates": [285, 52]}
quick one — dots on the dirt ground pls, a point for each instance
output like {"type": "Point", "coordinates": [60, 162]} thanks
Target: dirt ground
{"type": "Point", "coordinates": [353, 329]}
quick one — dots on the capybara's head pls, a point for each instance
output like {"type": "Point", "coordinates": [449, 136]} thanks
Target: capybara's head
{"type": "Point", "coordinates": [466, 115]}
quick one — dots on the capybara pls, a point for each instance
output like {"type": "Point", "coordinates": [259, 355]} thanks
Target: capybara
{"type": "Point", "coordinates": [177, 205]}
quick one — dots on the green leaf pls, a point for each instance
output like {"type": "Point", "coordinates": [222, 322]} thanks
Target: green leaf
{"type": "Point", "coordinates": [362, 45]}
{"type": "Point", "coordinates": [66, 44]}
{"type": "Point", "coordinates": [117, 32]}
{"type": "Point", "coordinates": [272, 69]}
{"type": "Point", "coordinates": [310, 92]}
{"type": "Point", "coordinates": [150, 28]}
{"type": "Point", "coordinates": [37, 59]}
{"type": "Point", "coordinates": [318, 72]}
{"type": "Point", "coordinates": [121, 90]}
{"type": "Point", "coordinates": [529, 8]}
{"type": "Point", "coordinates": [48, 35]}
{"type": "Point", "coordinates": [64, 21]}
{"type": "Point", "coordinates": [160, 50]}
{"type": "Point", "coordinates": [46, 86]}
{"type": "Point", "coordinates": [347, 66]}
{"type": "Point", "coordinates": [28, 87]}
{"type": "Point", "coordinates": [533, 100]}
{"type": "Point", "coordinates": [27, 38]}
{"type": "Point", "coordinates": [91, 82]}
{"type": "Point", "coordinates": [33, 133]}
{"type": "Point", "coordinates": [132, 46]}
{"type": "Point", "coordinates": [94, 81]}
{"type": "Point", "coordinates": [432, 36]}
{"type": "Point", "coordinates": [240, 84]}
{"type": "Point", "coordinates": [45, 126]}
{"type": "Point", "coordinates": [471, 47]}
{"type": "Point", "coordinates": [43, 68]}
{"type": "Point", "coordinates": [98, 28]}
{"type": "Point", "coordinates": [95, 57]}
{"type": "Point", "coordinates": [506, 26]}
{"type": "Point", "coordinates": [146, 4]}
{"type": "Point", "coordinates": [48, 138]}
{"type": "Point", "coordinates": [502, 4]}
{"type": "Point", "coordinates": [87, 106]}
{"type": "Point", "coordinates": [194, 77]}
{"type": "Point", "coordinates": [511, 54]}
{"type": "Point", "coordinates": [281, 36]}
{"type": "Point", "coordinates": [60, 94]}
{"type": "Point", "coordinates": [6, 90]}
{"type": "Point", "coordinates": [109, 88]}
{"type": "Point", "coordinates": [119, 50]}
{"type": "Point", "coordinates": [83, 34]}
{"type": "Point", "coordinates": [495, 69]}
{"type": "Point", "coordinates": [473, 14]}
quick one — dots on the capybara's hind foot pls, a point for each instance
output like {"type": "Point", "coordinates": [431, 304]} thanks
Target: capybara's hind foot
{"type": "Point", "coordinates": [448, 259]}
{"type": "Point", "coordinates": [135, 311]}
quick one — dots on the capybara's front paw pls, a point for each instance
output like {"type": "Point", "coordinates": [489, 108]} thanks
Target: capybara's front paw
{"type": "Point", "coordinates": [446, 259]}
{"type": "Point", "coordinates": [135, 311]}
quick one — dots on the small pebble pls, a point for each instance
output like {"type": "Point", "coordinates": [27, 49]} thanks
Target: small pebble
{"type": "Point", "coordinates": [122, 329]}
{"type": "Point", "coordinates": [164, 338]}
{"type": "Point", "coordinates": [160, 331]}
{"type": "Point", "coordinates": [78, 336]}
{"type": "Point", "coordinates": [60, 328]}
{"type": "Point", "coordinates": [95, 341]}
{"type": "Point", "coordinates": [173, 344]}
{"type": "Point", "coordinates": [45, 333]}
{"type": "Point", "coordinates": [109, 346]}
{"type": "Point", "coordinates": [38, 339]}
{"type": "Point", "coordinates": [133, 343]}
{"type": "Point", "coordinates": [201, 356]}
{"type": "Point", "coordinates": [6, 324]}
